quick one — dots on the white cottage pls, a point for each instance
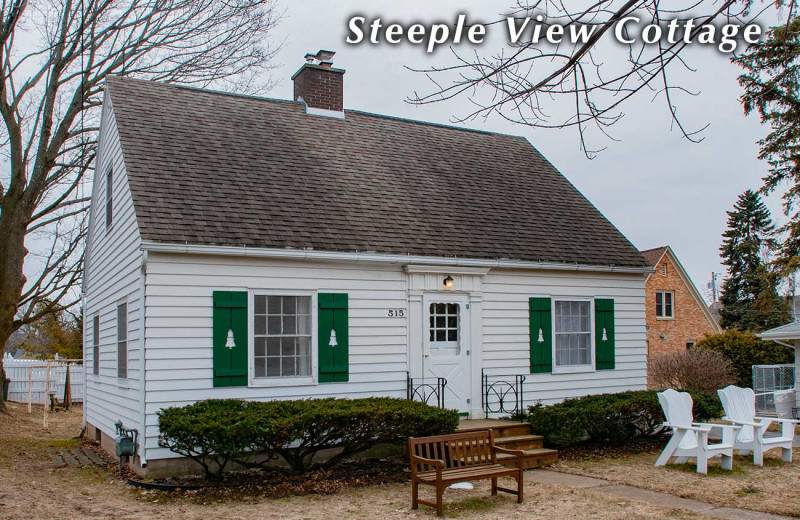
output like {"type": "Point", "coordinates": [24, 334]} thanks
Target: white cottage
{"type": "Point", "coordinates": [254, 248]}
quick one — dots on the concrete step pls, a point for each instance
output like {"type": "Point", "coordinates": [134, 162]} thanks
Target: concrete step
{"type": "Point", "coordinates": [535, 458]}
{"type": "Point", "coordinates": [521, 442]}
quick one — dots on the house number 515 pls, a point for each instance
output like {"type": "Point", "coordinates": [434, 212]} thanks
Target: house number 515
{"type": "Point", "coordinates": [397, 313]}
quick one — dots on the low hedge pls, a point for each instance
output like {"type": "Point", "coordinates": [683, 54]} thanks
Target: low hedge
{"type": "Point", "coordinates": [218, 431]}
{"type": "Point", "coordinates": [610, 418]}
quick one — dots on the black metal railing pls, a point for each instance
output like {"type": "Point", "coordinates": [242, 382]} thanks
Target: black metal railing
{"type": "Point", "coordinates": [428, 390]}
{"type": "Point", "coordinates": [502, 393]}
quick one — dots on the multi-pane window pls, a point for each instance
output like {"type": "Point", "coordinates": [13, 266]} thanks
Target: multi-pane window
{"type": "Point", "coordinates": [573, 333]}
{"type": "Point", "coordinates": [282, 336]}
{"type": "Point", "coordinates": [444, 328]}
{"type": "Point", "coordinates": [109, 199]}
{"type": "Point", "coordinates": [122, 341]}
{"type": "Point", "coordinates": [664, 304]}
{"type": "Point", "coordinates": [96, 345]}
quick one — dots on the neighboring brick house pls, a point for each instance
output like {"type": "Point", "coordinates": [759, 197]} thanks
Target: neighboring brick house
{"type": "Point", "coordinates": [676, 315]}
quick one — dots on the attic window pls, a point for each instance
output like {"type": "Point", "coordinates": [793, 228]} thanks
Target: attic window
{"type": "Point", "coordinates": [664, 270]}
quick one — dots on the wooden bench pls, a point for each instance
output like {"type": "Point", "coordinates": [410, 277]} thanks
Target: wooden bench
{"type": "Point", "coordinates": [462, 457]}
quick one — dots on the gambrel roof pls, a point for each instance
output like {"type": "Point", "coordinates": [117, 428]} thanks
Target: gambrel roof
{"type": "Point", "coordinates": [219, 169]}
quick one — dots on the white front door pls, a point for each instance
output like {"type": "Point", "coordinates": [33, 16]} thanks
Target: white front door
{"type": "Point", "coordinates": [446, 351]}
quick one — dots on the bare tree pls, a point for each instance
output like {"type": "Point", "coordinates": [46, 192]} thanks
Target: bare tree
{"type": "Point", "coordinates": [697, 369]}
{"type": "Point", "coordinates": [54, 58]}
{"type": "Point", "coordinates": [585, 85]}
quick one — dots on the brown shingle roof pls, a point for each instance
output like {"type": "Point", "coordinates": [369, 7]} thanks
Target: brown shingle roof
{"type": "Point", "coordinates": [213, 168]}
{"type": "Point", "coordinates": [654, 255]}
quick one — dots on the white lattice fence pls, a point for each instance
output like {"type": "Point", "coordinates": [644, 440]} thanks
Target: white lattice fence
{"type": "Point", "coordinates": [20, 371]}
{"type": "Point", "coordinates": [768, 379]}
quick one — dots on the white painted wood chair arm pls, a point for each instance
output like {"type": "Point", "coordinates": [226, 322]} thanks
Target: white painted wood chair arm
{"type": "Point", "coordinates": [754, 424]}
{"type": "Point", "coordinates": [692, 428]}
{"type": "Point", "coordinates": [711, 426]}
{"type": "Point", "coordinates": [775, 419]}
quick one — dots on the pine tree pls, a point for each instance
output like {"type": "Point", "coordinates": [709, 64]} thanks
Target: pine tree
{"type": "Point", "coordinates": [771, 82]}
{"type": "Point", "coordinates": [750, 299]}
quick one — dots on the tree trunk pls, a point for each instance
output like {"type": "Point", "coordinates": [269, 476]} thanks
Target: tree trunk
{"type": "Point", "coordinates": [13, 227]}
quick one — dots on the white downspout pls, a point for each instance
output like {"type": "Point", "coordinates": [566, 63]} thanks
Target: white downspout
{"type": "Point", "coordinates": [142, 364]}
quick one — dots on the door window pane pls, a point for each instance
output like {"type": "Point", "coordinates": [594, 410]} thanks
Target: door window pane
{"type": "Point", "coordinates": [444, 329]}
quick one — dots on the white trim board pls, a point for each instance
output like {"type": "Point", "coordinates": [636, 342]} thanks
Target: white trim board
{"type": "Point", "coordinates": [308, 254]}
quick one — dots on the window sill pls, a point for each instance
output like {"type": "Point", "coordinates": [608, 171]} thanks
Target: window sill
{"type": "Point", "coordinates": [123, 383]}
{"type": "Point", "coordinates": [267, 382]}
{"type": "Point", "coordinates": [579, 369]}
{"type": "Point", "coordinates": [665, 318]}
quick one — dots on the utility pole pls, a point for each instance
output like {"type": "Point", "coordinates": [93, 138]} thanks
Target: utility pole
{"type": "Point", "coordinates": [713, 286]}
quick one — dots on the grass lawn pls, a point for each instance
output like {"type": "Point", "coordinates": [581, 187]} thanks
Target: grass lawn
{"type": "Point", "coordinates": [32, 488]}
{"type": "Point", "coordinates": [773, 488]}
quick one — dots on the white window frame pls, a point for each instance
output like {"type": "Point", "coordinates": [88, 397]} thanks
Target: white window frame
{"type": "Point", "coordinates": [127, 339]}
{"type": "Point", "coordinates": [573, 369]}
{"type": "Point", "coordinates": [109, 215]}
{"type": "Point", "coordinates": [445, 344]}
{"type": "Point", "coordinates": [672, 305]}
{"type": "Point", "coordinates": [251, 360]}
{"type": "Point", "coordinates": [95, 338]}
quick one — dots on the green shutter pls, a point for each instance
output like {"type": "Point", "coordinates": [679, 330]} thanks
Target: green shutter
{"type": "Point", "coordinates": [334, 361]}
{"type": "Point", "coordinates": [230, 314]}
{"type": "Point", "coordinates": [541, 331]}
{"type": "Point", "coordinates": [604, 334]}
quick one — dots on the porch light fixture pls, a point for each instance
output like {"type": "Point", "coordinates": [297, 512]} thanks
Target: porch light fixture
{"type": "Point", "coordinates": [448, 282]}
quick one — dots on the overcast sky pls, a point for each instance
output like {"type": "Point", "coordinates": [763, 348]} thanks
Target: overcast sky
{"type": "Point", "coordinates": [654, 185]}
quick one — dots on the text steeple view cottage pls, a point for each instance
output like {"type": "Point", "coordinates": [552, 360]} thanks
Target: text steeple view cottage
{"type": "Point", "coordinates": [270, 249]}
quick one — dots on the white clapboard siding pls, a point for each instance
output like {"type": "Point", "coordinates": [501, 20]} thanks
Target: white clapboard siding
{"type": "Point", "coordinates": [179, 357]}
{"type": "Point", "coordinates": [113, 276]}
{"type": "Point", "coordinates": [506, 336]}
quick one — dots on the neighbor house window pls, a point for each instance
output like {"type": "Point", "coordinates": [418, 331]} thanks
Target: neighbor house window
{"type": "Point", "coordinates": [282, 336]}
{"type": "Point", "coordinates": [443, 331]}
{"type": "Point", "coordinates": [96, 345]}
{"type": "Point", "coordinates": [573, 333]}
{"type": "Point", "coordinates": [122, 341]}
{"type": "Point", "coordinates": [665, 307]}
{"type": "Point", "coordinates": [109, 199]}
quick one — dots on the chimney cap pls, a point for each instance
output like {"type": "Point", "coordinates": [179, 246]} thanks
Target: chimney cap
{"type": "Point", "coordinates": [321, 57]}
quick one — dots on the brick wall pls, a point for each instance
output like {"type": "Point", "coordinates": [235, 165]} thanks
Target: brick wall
{"type": "Point", "coordinates": [320, 87]}
{"type": "Point", "coordinates": [689, 322]}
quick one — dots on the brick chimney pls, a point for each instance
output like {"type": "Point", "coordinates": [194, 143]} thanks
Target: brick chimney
{"type": "Point", "coordinates": [318, 84]}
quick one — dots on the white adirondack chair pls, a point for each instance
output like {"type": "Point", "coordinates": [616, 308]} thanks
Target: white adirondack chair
{"type": "Point", "coordinates": [690, 439]}
{"type": "Point", "coordinates": [740, 409]}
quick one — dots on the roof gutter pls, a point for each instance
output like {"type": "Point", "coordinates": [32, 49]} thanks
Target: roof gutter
{"type": "Point", "coordinates": [310, 254]}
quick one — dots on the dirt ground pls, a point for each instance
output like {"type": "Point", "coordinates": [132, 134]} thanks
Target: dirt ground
{"type": "Point", "coordinates": [32, 488]}
{"type": "Point", "coordinates": [773, 488]}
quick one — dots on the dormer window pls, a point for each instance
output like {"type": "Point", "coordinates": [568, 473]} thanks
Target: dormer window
{"type": "Point", "coordinates": [109, 199]}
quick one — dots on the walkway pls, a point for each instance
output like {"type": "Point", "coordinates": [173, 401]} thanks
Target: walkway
{"type": "Point", "coordinates": [644, 495]}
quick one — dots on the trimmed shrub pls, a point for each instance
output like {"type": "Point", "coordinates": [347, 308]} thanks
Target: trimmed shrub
{"type": "Point", "coordinates": [212, 433]}
{"type": "Point", "coordinates": [216, 432]}
{"type": "Point", "coordinates": [696, 369]}
{"type": "Point", "coordinates": [610, 418]}
{"type": "Point", "coordinates": [744, 350]}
